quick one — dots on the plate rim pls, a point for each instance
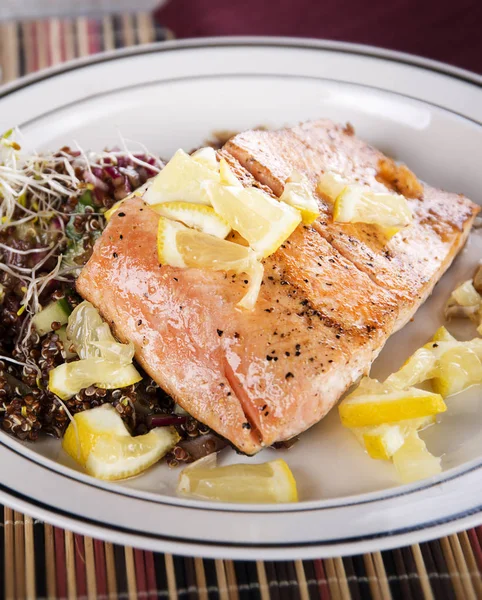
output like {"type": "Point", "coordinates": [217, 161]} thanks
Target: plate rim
{"type": "Point", "coordinates": [281, 42]}
{"type": "Point", "coordinates": [243, 41]}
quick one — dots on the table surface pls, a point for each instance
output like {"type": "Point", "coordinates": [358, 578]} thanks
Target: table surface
{"type": "Point", "coordinates": [42, 561]}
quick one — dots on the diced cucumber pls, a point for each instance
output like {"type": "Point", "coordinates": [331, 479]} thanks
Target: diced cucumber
{"type": "Point", "coordinates": [86, 199]}
{"type": "Point", "coordinates": [55, 312]}
{"type": "Point", "coordinates": [62, 333]}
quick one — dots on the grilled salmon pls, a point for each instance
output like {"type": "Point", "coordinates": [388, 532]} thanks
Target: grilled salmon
{"type": "Point", "coordinates": [407, 266]}
{"type": "Point", "coordinates": [331, 295]}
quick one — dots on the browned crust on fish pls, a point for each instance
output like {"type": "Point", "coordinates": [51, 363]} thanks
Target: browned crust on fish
{"type": "Point", "coordinates": [331, 296]}
{"type": "Point", "coordinates": [408, 265]}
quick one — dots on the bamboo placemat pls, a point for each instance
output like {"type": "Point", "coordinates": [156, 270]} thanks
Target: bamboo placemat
{"type": "Point", "coordinates": [42, 561]}
{"type": "Point", "coordinates": [38, 560]}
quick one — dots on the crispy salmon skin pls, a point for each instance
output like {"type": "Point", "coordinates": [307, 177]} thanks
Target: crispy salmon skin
{"type": "Point", "coordinates": [331, 295]}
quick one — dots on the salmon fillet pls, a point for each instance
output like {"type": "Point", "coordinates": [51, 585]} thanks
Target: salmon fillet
{"type": "Point", "coordinates": [331, 295]}
{"type": "Point", "coordinates": [410, 264]}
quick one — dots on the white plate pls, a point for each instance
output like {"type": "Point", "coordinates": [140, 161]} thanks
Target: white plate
{"type": "Point", "coordinates": [174, 95]}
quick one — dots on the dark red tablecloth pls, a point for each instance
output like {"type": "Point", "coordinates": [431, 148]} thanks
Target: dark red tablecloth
{"type": "Point", "coordinates": [446, 30]}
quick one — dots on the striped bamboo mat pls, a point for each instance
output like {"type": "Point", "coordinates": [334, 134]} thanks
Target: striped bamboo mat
{"type": "Point", "coordinates": [41, 561]}
{"type": "Point", "coordinates": [31, 45]}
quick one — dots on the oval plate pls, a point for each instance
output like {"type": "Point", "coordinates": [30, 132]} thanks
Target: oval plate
{"type": "Point", "coordinates": [175, 95]}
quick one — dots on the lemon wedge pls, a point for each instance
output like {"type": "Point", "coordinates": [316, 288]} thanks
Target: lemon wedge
{"type": "Point", "coordinates": [182, 179]}
{"type": "Point", "coordinates": [443, 335]}
{"type": "Point", "coordinates": [365, 410]}
{"type": "Point", "coordinates": [452, 366]}
{"type": "Point", "coordinates": [261, 220]}
{"type": "Point", "coordinates": [105, 362]}
{"type": "Point", "coordinates": [206, 157]}
{"type": "Point", "coordinates": [100, 442]}
{"type": "Point", "coordinates": [167, 250]}
{"type": "Point", "coordinates": [270, 482]}
{"type": "Point", "coordinates": [179, 246]}
{"type": "Point", "coordinates": [255, 272]}
{"type": "Point", "coordinates": [227, 175]}
{"type": "Point", "coordinates": [356, 204]}
{"type": "Point", "coordinates": [123, 377]}
{"type": "Point", "coordinates": [331, 185]}
{"type": "Point", "coordinates": [466, 302]}
{"type": "Point", "coordinates": [413, 461]}
{"type": "Point", "coordinates": [381, 442]}
{"type": "Point", "coordinates": [92, 337]}
{"type": "Point", "coordinates": [297, 193]}
{"type": "Point", "coordinates": [81, 436]}
{"type": "Point", "coordinates": [422, 365]}
{"type": "Point", "coordinates": [458, 369]}
{"type": "Point", "coordinates": [198, 216]}
{"type": "Point", "coordinates": [68, 379]}
{"type": "Point", "coordinates": [465, 295]}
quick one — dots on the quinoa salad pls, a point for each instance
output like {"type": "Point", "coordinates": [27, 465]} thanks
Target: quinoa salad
{"type": "Point", "coordinates": [51, 214]}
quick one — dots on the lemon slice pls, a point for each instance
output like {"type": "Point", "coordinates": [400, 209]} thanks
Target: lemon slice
{"type": "Point", "coordinates": [198, 216]}
{"type": "Point", "coordinates": [381, 442]}
{"type": "Point", "coordinates": [182, 179]}
{"type": "Point", "coordinates": [422, 365]}
{"type": "Point", "coordinates": [377, 409]}
{"type": "Point", "coordinates": [458, 369]}
{"type": "Point", "coordinates": [179, 246]}
{"type": "Point", "coordinates": [331, 185]}
{"type": "Point", "coordinates": [357, 204]}
{"type": "Point", "coordinates": [413, 461]}
{"type": "Point", "coordinates": [68, 379]}
{"type": "Point", "coordinates": [100, 442]}
{"type": "Point", "coordinates": [297, 193]}
{"type": "Point", "coordinates": [270, 482]}
{"type": "Point", "coordinates": [264, 222]}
